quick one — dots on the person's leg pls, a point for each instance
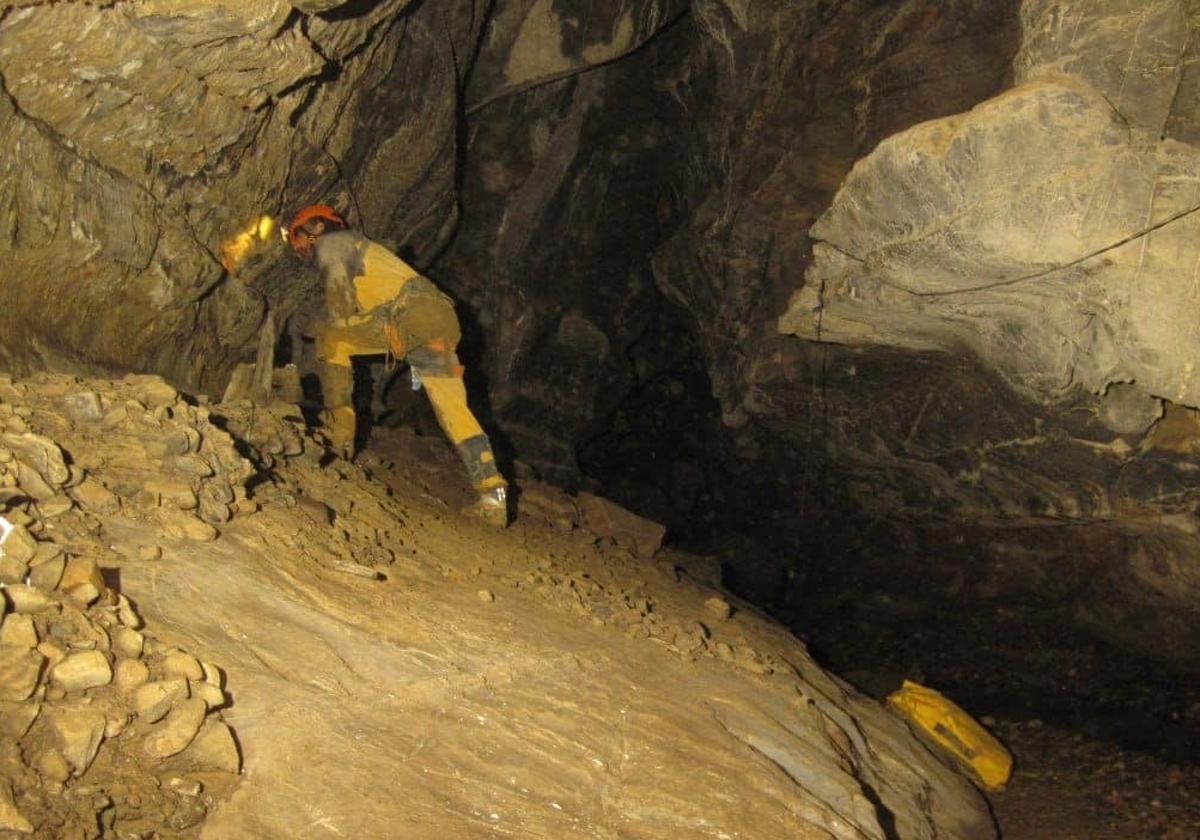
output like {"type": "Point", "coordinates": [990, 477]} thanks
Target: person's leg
{"type": "Point", "coordinates": [336, 346]}
{"type": "Point", "coordinates": [441, 376]}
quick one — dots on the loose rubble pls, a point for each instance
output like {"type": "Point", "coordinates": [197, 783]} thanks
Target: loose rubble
{"type": "Point", "coordinates": [101, 724]}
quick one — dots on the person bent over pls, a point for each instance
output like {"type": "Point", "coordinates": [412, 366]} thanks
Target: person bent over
{"type": "Point", "coordinates": [378, 304]}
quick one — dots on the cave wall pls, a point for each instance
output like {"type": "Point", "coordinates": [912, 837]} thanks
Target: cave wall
{"type": "Point", "coordinates": [931, 263]}
{"type": "Point", "coordinates": [146, 135]}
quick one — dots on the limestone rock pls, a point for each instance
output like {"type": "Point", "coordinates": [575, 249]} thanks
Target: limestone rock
{"type": "Point", "coordinates": [214, 748]}
{"type": "Point", "coordinates": [718, 608]}
{"type": "Point", "coordinates": [16, 718]}
{"type": "Point", "coordinates": [180, 664]}
{"type": "Point", "coordinates": [212, 695]}
{"type": "Point", "coordinates": [154, 700]}
{"type": "Point", "coordinates": [53, 766]}
{"type": "Point", "coordinates": [95, 497]}
{"type": "Point", "coordinates": [84, 407]}
{"type": "Point", "coordinates": [18, 631]}
{"type": "Point", "coordinates": [11, 819]}
{"type": "Point", "coordinates": [79, 732]}
{"type": "Point", "coordinates": [82, 570]}
{"type": "Point", "coordinates": [46, 576]}
{"type": "Point", "coordinates": [39, 453]}
{"type": "Point", "coordinates": [20, 671]}
{"type": "Point", "coordinates": [128, 642]}
{"type": "Point", "coordinates": [55, 506]}
{"type": "Point", "coordinates": [183, 526]}
{"type": "Point", "coordinates": [173, 492]}
{"type": "Point", "coordinates": [12, 570]}
{"type": "Point", "coordinates": [20, 545]}
{"type": "Point", "coordinates": [177, 731]}
{"type": "Point", "coordinates": [81, 671]}
{"type": "Point", "coordinates": [129, 675]}
{"type": "Point", "coordinates": [27, 600]}
{"type": "Point", "coordinates": [608, 519]}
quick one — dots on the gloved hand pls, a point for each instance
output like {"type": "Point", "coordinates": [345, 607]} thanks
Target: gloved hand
{"type": "Point", "coordinates": [341, 426]}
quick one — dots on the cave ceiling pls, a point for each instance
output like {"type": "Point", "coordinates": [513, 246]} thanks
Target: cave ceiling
{"type": "Point", "coordinates": [943, 252]}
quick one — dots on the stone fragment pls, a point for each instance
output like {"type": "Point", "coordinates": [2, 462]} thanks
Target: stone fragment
{"type": "Point", "coordinates": [46, 552]}
{"type": "Point", "coordinates": [84, 407]}
{"type": "Point", "coordinates": [129, 675]}
{"type": "Point", "coordinates": [12, 570]}
{"type": "Point", "coordinates": [19, 631]}
{"type": "Point", "coordinates": [27, 600]}
{"type": "Point", "coordinates": [152, 390]}
{"type": "Point", "coordinates": [82, 570]}
{"type": "Point", "coordinates": [40, 453]}
{"type": "Point", "coordinates": [95, 497]}
{"type": "Point", "coordinates": [16, 718]}
{"type": "Point", "coordinates": [32, 484]}
{"type": "Point", "coordinates": [81, 671]}
{"type": "Point", "coordinates": [20, 671]}
{"type": "Point", "coordinates": [53, 766]}
{"type": "Point", "coordinates": [173, 492]}
{"type": "Point", "coordinates": [79, 732]}
{"type": "Point", "coordinates": [193, 465]}
{"type": "Point", "coordinates": [177, 731]}
{"type": "Point", "coordinates": [718, 608]}
{"type": "Point", "coordinates": [46, 576]}
{"type": "Point", "coordinates": [608, 519]}
{"type": "Point", "coordinates": [153, 700]}
{"type": "Point", "coordinates": [11, 819]}
{"type": "Point", "coordinates": [115, 417]}
{"type": "Point", "coordinates": [20, 544]}
{"type": "Point", "coordinates": [212, 695]}
{"type": "Point", "coordinates": [213, 675]}
{"type": "Point", "coordinates": [117, 722]}
{"type": "Point", "coordinates": [214, 506]}
{"type": "Point", "coordinates": [183, 526]}
{"type": "Point", "coordinates": [128, 642]}
{"type": "Point", "coordinates": [55, 506]}
{"type": "Point", "coordinates": [486, 596]}
{"type": "Point", "coordinates": [126, 614]}
{"type": "Point", "coordinates": [180, 664]}
{"type": "Point", "coordinates": [214, 748]}
{"type": "Point", "coordinates": [53, 653]}
{"type": "Point", "coordinates": [82, 595]}
{"type": "Point", "coordinates": [149, 552]}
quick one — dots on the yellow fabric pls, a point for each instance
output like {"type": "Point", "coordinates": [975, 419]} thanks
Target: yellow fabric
{"type": "Point", "coordinates": [357, 336]}
{"type": "Point", "coordinates": [384, 276]}
{"type": "Point", "coordinates": [956, 731]}
{"type": "Point", "coordinates": [448, 396]}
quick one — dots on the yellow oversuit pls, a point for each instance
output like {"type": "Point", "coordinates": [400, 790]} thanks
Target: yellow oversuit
{"type": "Point", "coordinates": [379, 304]}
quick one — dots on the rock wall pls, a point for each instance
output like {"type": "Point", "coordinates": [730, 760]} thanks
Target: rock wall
{"type": "Point", "coordinates": [934, 261]}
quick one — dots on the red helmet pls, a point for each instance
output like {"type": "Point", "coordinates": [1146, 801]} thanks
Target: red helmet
{"type": "Point", "coordinates": [301, 236]}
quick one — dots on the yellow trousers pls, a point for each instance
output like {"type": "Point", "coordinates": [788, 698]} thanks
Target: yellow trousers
{"type": "Point", "coordinates": [437, 367]}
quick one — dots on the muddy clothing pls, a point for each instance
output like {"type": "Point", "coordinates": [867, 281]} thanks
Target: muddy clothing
{"type": "Point", "coordinates": [379, 304]}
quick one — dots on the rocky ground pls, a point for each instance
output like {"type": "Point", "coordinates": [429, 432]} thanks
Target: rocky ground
{"type": "Point", "coordinates": [214, 627]}
{"type": "Point", "coordinates": [1105, 743]}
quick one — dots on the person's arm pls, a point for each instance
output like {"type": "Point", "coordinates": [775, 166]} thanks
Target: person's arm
{"type": "Point", "coordinates": [338, 261]}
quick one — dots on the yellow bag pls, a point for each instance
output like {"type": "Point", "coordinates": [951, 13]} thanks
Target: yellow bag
{"type": "Point", "coordinates": [954, 730]}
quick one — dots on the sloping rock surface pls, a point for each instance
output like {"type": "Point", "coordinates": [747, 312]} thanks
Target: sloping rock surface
{"type": "Point", "coordinates": [398, 670]}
